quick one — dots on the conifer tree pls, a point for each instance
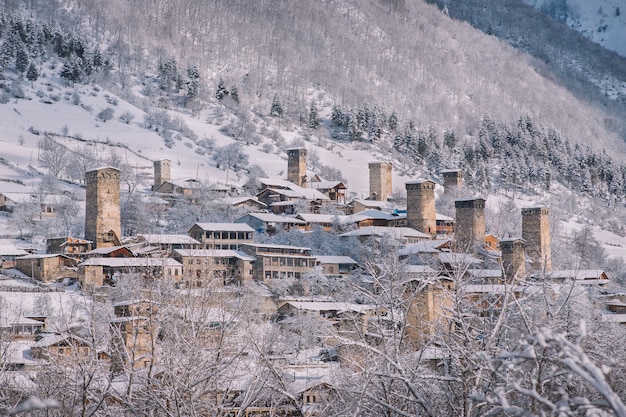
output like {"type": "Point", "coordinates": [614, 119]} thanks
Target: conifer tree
{"type": "Point", "coordinates": [277, 108]}
{"type": "Point", "coordinates": [234, 94]}
{"type": "Point", "coordinates": [314, 121]}
{"type": "Point", "coordinates": [32, 74]}
{"type": "Point", "coordinates": [221, 91]}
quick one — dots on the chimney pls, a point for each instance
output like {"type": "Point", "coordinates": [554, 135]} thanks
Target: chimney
{"type": "Point", "coordinates": [536, 233]}
{"type": "Point", "coordinates": [469, 227]}
{"type": "Point", "coordinates": [513, 259]}
{"type": "Point", "coordinates": [380, 180]}
{"type": "Point", "coordinates": [162, 172]}
{"type": "Point", "coordinates": [296, 166]}
{"type": "Point", "coordinates": [420, 206]}
{"type": "Point", "coordinates": [452, 182]}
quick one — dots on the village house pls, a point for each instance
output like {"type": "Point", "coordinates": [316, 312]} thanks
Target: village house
{"type": "Point", "coordinates": [337, 265]}
{"type": "Point", "coordinates": [164, 244]}
{"type": "Point", "coordinates": [270, 223]}
{"type": "Point", "coordinates": [121, 251]}
{"type": "Point", "coordinates": [68, 246]}
{"type": "Point", "coordinates": [334, 190]}
{"type": "Point", "coordinates": [185, 188]}
{"type": "Point", "coordinates": [222, 235]}
{"type": "Point", "coordinates": [402, 235]}
{"type": "Point", "coordinates": [8, 253]}
{"type": "Point", "coordinates": [47, 267]}
{"type": "Point", "coordinates": [444, 225]}
{"type": "Point", "coordinates": [279, 261]}
{"type": "Point", "coordinates": [246, 203]}
{"type": "Point", "coordinates": [56, 346]}
{"type": "Point", "coordinates": [96, 272]}
{"type": "Point", "coordinates": [284, 196]}
{"type": "Point", "coordinates": [204, 266]}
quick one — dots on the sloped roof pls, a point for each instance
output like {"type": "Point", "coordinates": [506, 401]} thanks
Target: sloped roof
{"type": "Point", "coordinates": [130, 262]}
{"type": "Point", "coordinates": [167, 239]}
{"type": "Point", "coordinates": [458, 258]}
{"type": "Point", "coordinates": [214, 253]}
{"type": "Point", "coordinates": [382, 231]}
{"type": "Point", "coordinates": [336, 260]}
{"type": "Point", "coordinates": [423, 246]}
{"type": "Point", "coordinates": [308, 193]}
{"type": "Point", "coordinates": [224, 227]}
{"type": "Point", "coordinates": [272, 218]}
{"type": "Point", "coordinates": [329, 306]}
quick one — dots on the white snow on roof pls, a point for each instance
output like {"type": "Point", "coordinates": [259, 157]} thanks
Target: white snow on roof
{"type": "Point", "coordinates": [330, 306]}
{"type": "Point", "coordinates": [458, 258]}
{"type": "Point", "coordinates": [214, 253]}
{"type": "Point", "coordinates": [167, 239]}
{"type": "Point", "coordinates": [272, 218]}
{"type": "Point", "coordinates": [131, 262]}
{"type": "Point", "coordinates": [336, 260]}
{"type": "Point", "coordinates": [225, 227]}
{"type": "Point", "coordinates": [395, 232]}
{"type": "Point", "coordinates": [423, 246]}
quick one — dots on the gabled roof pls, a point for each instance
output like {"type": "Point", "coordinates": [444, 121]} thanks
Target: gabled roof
{"type": "Point", "coordinates": [326, 185]}
{"type": "Point", "coordinates": [329, 306]}
{"type": "Point", "coordinates": [382, 231]}
{"type": "Point", "coordinates": [53, 339]}
{"type": "Point", "coordinates": [131, 262]}
{"type": "Point", "coordinates": [336, 260]}
{"type": "Point", "coordinates": [424, 246]}
{"type": "Point", "coordinates": [224, 227]}
{"type": "Point", "coordinates": [214, 253]}
{"type": "Point", "coordinates": [308, 193]}
{"type": "Point", "coordinates": [166, 239]}
{"type": "Point", "coordinates": [458, 258]}
{"type": "Point", "coordinates": [233, 201]}
{"type": "Point", "coordinates": [272, 218]}
{"type": "Point", "coordinates": [106, 250]}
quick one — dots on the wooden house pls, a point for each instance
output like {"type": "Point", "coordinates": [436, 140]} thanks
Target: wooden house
{"type": "Point", "coordinates": [96, 272]}
{"type": "Point", "coordinates": [54, 346]}
{"type": "Point", "coordinates": [337, 265]}
{"type": "Point", "coordinates": [270, 223]}
{"type": "Point", "coordinates": [72, 246]}
{"type": "Point", "coordinates": [222, 235]}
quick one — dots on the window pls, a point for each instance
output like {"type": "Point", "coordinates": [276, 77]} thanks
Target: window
{"type": "Point", "coordinates": [289, 261]}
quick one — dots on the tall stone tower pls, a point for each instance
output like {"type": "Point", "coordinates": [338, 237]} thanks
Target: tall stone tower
{"type": "Point", "coordinates": [296, 166]}
{"type": "Point", "coordinates": [162, 172]}
{"type": "Point", "coordinates": [102, 217]}
{"type": "Point", "coordinates": [452, 181]}
{"type": "Point", "coordinates": [513, 258]}
{"type": "Point", "coordinates": [536, 233]}
{"type": "Point", "coordinates": [470, 224]}
{"type": "Point", "coordinates": [380, 180]}
{"type": "Point", "coordinates": [420, 206]}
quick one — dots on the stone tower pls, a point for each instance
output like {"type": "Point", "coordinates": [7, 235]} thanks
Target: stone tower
{"type": "Point", "coordinates": [133, 335]}
{"type": "Point", "coordinates": [536, 233]}
{"type": "Point", "coordinates": [162, 172]}
{"type": "Point", "coordinates": [452, 181]}
{"type": "Point", "coordinates": [513, 258]}
{"type": "Point", "coordinates": [102, 217]}
{"type": "Point", "coordinates": [420, 206]}
{"type": "Point", "coordinates": [296, 166]}
{"type": "Point", "coordinates": [470, 224]}
{"type": "Point", "coordinates": [380, 180]}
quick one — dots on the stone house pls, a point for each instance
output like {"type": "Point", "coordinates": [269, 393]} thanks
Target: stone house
{"type": "Point", "coordinates": [96, 272]}
{"type": "Point", "coordinates": [222, 235]}
{"type": "Point", "coordinates": [47, 267]}
{"type": "Point", "coordinates": [279, 261]}
{"type": "Point", "coordinates": [334, 190]}
{"type": "Point", "coordinates": [203, 266]}
{"type": "Point", "coordinates": [56, 346]}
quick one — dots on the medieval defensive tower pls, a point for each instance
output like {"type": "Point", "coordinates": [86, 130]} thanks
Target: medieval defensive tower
{"type": "Point", "coordinates": [380, 180]}
{"type": "Point", "coordinates": [420, 206]}
{"type": "Point", "coordinates": [513, 258]}
{"type": "Point", "coordinates": [102, 217]}
{"type": "Point", "coordinates": [536, 233]}
{"type": "Point", "coordinates": [452, 181]}
{"type": "Point", "coordinates": [470, 224]}
{"type": "Point", "coordinates": [162, 172]}
{"type": "Point", "coordinates": [296, 166]}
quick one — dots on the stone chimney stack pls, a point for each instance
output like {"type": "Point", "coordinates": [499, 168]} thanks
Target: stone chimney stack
{"type": "Point", "coordinates": [470, 224]}
{"type": "Point", "coordinates": [452, 182]}
{"type": "Point", "coordinates": [296, 166]}
{"type": "Point", "coordinates": [102, 217]}
{"type": "Point", "coordinates": [513, 258]}
{"type": "Point", "coordinates": [162, 172]}
{"type": "Point", "coordinates": [380, 180]}
{"type": "Point", "coordinates": [420, 206]}
{"type": "Point", "coordinates": [536, 233]}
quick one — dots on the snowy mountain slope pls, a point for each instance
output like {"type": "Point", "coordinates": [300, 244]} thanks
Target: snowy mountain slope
{"type": "Point", "coordinates": [603, 21]}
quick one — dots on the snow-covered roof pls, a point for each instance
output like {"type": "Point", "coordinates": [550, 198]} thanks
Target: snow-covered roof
{"type": "Point", "coordinates": [325, 185]}
{"type": "Point", "coordinates": [418, 181]}
{"type": "Point", "coordinates": [485, 273]}
{"type": "Point", "coordinates": [105, 250]}
{"type": "Point", "coordinates": [443, 217]}
{"type": "Point", "coordinates": [166, 239]}
{"type": "Point", "coordinates": [329, 306]}
{"type": "Point", "coordinates": [380, 231]}
{"type": "Point", "coordinates": [43, 256]}
{"type": "Point", "coordinates": [423, 246]}
{"type": "Point", "coordinates": [131, 262]}
{"type": "Point", "coordinates": [336, 260]}
{"type": "Point", "coordinates": [322, 218]}
{"type": "Point", "coordinates": [225, 227]}
{"type": "Point", "coordinates": [577, 274]}
{"type": "Point", "coordinates": [214, 253]}
{"type": "Point", "coordinates": [53, 339]}
{"type": "Point", "coordinates": [272, 218]}
{"type": "Point", "coordinates": [9, 250]}
{"type": "Point", "coordinates": [308, 193]}
{"type": "Point", "coordinates": [271, 246]}
{"type": "Point", "coordinates": [419, 269]}
{"type": "Point", "coordinates": [458, 258]}
{"type": "Point", "coordinates": [238, 200]}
